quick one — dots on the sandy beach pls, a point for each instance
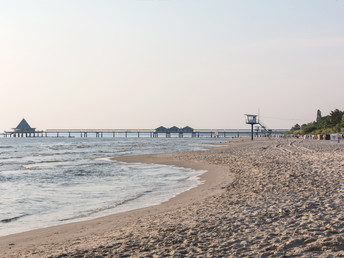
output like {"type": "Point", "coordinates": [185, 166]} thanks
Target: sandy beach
{"type": "Point", "coordinates": [270, 197]}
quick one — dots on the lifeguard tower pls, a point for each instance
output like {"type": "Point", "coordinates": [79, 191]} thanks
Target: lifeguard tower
{"type": "Point", "coordinates": [251, 120]}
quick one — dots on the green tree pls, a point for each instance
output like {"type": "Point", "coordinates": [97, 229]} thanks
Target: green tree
{"type": "Point", "coordinates": [324, 124]}
{"type": "Point", "coordinates": [335, 117]}
{"type": "Point", "coordinates": [295, 127]}
{"type": "Point", "coordinates": [308, 128]}
{"type": "Point", "coordinates": [318, 115]}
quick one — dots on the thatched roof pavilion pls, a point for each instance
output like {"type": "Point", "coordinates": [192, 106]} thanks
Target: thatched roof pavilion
{"type": "Point", "coordinates": [23, 129]}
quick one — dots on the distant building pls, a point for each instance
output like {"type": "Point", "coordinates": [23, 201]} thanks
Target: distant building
{"type": "Point", "coordinates": [161, 129]}
{"type": "Point", "coordinates": [187, 129]}
{"type": "Point", "coordinates": [174, 129]}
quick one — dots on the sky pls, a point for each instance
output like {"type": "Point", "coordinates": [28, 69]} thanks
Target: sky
{"type": "Point", "coordinates": [123, 64]}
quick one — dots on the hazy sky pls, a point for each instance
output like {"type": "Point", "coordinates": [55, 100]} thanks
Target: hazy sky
{"type": "Point", "coordinates": [146, 63]}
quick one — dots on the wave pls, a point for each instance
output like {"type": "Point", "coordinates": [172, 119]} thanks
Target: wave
{"type": "Point", "coordinates": [35, 165]}
{"type": "Point", "coordinates": [183, 179]}
{"type": "Point", "coordinates": [8, 220]}
{"type": "Point", "coordinates": [12, 157]}
{"type": "Point", "coordinates": [67, 152]}
{"type": "Point", "coordinates": [83, 146]}
{"type": "Point", "coordinates": [6, 147]}
{"type": "Point", "coordinates": [60, 147]}
{"type": "Point", "coordinates": [95, 211]}
{"type": "Point", "coordinates": [107, 159]}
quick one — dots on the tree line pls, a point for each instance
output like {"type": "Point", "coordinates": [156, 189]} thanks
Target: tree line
{"type": "Point", "coordinates": [333, 123]}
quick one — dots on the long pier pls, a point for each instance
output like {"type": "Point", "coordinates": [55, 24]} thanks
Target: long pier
{"type": "Point", "coordinates": [152, 133]}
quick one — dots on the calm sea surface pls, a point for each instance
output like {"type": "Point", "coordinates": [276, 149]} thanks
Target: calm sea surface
{"type": "Point", "coordinates": [51, 181]}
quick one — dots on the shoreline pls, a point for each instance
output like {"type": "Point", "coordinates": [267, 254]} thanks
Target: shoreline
{"type": "Point", "coordinates": [20, 243]}
{"type": "Point", "coordinates": [269, 197]}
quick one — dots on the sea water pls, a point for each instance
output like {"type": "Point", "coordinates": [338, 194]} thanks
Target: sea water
{"type": "Point", "coordinates": [52, 181]}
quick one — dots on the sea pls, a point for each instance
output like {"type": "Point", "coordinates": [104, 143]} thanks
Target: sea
{"type": "Point", "coordinates": [47, 181]}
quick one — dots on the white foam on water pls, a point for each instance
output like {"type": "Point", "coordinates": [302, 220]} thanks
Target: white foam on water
{"type": "Point", "coordinates": [53, 182]}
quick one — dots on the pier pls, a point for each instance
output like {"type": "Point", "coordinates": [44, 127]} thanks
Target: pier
{"type": "Point", "coordinates": [24, 130]}
{"type": "Point", "coordinates": [144, 133]}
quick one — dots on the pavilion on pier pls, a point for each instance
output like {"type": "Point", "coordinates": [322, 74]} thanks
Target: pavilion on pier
{"type": "Point", "coordinates": [23, 130]}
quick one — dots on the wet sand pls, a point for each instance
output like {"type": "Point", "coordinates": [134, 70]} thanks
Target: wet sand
{"type": "Point", "coordinates": [270, 197]}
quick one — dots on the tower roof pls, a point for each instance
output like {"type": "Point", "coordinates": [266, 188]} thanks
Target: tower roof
{"type": "Point", "coordinates": [23, 125]}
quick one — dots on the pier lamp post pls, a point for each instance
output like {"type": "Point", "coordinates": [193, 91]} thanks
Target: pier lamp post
{"type": "Point", "coordinates": [251, 120]}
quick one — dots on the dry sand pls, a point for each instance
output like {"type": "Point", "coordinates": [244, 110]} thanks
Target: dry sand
{"type": "Point", "coordinates": [272, 197]}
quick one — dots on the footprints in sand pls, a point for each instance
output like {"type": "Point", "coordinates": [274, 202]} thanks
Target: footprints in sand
{"type": "Point", "coordinates": [287, 199]}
